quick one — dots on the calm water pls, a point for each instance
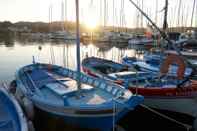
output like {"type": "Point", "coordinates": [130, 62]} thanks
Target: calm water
{"type": "Point", "coordinates": [17, 53]}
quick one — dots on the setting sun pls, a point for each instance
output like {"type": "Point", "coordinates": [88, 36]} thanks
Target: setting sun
{"type": "Point", "coordinates": [92, 21]}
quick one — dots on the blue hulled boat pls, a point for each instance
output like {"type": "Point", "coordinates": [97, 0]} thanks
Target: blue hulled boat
{"type": "Point", "coordinates": [11, 115]}
{"type": "Point", "coordinates": [151, 63]}
{"type": "Point", "coordinates": [54, 89]}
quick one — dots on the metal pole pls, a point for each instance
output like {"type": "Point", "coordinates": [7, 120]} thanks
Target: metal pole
{"type": "Point", "coordinates": [165, 23]}
{"type": "Point", "coordinates": [193, 12]}
{"type": "Point", "coordinates": [163, 34]}
{"type": "Point", "coordinates": [78, 46]}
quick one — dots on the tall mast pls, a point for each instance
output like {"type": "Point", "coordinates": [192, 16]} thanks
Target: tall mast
{"type": "Point", "coordinates": [179, 11]}
{"type": "Point", "coordinates": [142, 5]}
{"type": "Point", "coordinates": [156, 10]}
{"type": "Point", "coordinates": [62, 15]}
{"type": "Point", "coordinates": [105, 10]}
{"type": "Point", "coordinates": [78, 46]}
{"type": "Point", "coordinates": [65, 14]}
{"type": "Point", "coordinates": [50, 17]}
{"type": "Point", "coordinates": [101, 12]}
{"type": "Point", "coordinates": [194, 4]}
{"type": "Point", "coordinates": [113, 15]}
{"type": "Point", "coordinates": [165, 23]}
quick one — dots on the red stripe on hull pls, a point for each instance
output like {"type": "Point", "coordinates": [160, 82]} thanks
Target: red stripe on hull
{"type": "Point", "coordinates": [188, 91]}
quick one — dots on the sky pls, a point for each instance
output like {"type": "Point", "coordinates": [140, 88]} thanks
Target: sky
{"type": "Point", "coordinates": [91, 11]}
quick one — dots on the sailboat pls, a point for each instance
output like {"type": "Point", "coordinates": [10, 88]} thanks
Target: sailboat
{"type": "Point", "coordinates": [79, 99]}
{"type": "Point", "coordinates": [62, 34]}
{"type": "Point", "coordinates": [12, 117]}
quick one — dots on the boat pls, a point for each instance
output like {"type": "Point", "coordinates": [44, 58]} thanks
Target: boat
{"type": "Point", "coordinates": [12, 117]}
{"type": "Point", "coordinates": [62, 35]}
{"type": "Point", "coordinates": [166, 93]}
{"type": "Point", "coordinates": [113, 71]}
{"type": "Point", "coordinates": [152, 63]}
{"type": "Point", "coordinates": [53, 89]}
{"type": "Point", "coordinates": [79, 99]}
{"type": "Point", "coordinates": [140, 40]}
{"type": "Point", "coordinates": [173, 93]}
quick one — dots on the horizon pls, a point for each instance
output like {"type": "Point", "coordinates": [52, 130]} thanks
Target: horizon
{"type": "Point", "coordinates": [91, 14]}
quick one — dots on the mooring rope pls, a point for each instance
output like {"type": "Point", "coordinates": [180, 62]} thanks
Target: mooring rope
{"type": "Point", "coordinates": [186, 126]}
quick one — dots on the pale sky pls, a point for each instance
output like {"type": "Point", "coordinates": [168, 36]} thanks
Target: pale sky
{"type": "Point", "coordinates": [38, 10]}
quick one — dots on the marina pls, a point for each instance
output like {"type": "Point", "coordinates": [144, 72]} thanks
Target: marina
{"type": "Point", "coordinates": [91, 68]}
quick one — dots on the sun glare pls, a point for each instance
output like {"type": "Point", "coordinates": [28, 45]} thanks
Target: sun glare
{"type": "Point", "coordinates": [92, 21]}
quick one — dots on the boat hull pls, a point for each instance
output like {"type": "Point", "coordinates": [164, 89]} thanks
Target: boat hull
{"type": "Point", "coordinates": [91, 121]}
{"type": "Point", "coordinates": [171, 99]}
{"type": "Point", "coordinates": [84, 115]}
{"type": "Point", "coordinates": [181, 105]}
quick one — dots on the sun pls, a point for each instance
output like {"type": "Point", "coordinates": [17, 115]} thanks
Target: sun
{"type": "Point", "coordinates": [92, 21]}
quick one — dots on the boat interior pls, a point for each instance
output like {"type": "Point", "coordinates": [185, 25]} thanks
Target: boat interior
{"type": "Point", "coordinates": [59, 86]}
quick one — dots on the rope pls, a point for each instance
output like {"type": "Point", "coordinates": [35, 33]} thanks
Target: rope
{"type": "Point", "coordinates": [186, 126]}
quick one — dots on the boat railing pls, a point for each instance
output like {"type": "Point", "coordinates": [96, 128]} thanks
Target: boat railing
{"type": "Point", "coordinates": [98, 83]}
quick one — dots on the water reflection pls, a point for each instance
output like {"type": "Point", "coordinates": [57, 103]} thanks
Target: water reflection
{"type": "Point", "coordinates": [20, 53]}
{"type": "Point", "coordinates": [7, 39]}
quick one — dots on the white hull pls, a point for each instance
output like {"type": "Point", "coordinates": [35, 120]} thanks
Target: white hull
{"type": "Point", "coordinates": [181, 105]}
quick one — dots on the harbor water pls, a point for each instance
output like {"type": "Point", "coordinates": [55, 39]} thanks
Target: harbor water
{"type": "Point", "coordinates": [15, 53]}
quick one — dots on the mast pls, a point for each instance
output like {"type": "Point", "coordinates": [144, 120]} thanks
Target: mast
{"type": "Point", "coordinates": [78, 46]}
{"type": "Point", "coordinates": [62, 15]}
{"type": "Point", "coordinates": [105, 14]}
{"type": "Point", "coordinates": [101, 12]}
{"type": "Point", "coordinates": [113, 16]}
{"type": "Point", "coordinates": [179, 11]}
{"type": "Point", "coordinates": [163, 34]}
{"type": "Point", "coordinates": [142, 5]}
{"type": "Point", "coordinates": [165, 23]}
{"type": "Point", "coordinates": [193, 8]}
{"type": "Point", "coordinates": [156, 10]}
{"type": "Point", "coordinates": [65, 27]}
{"type": "Point", "coordinates": [50, 17]}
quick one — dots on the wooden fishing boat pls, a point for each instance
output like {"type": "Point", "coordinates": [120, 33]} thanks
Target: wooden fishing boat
{"type": "Point", "coordinates": [11, 114]}
{"type": "Point", "coordinates": [54, 89]}
{"type": "Point", "coordinates": [177, 94]}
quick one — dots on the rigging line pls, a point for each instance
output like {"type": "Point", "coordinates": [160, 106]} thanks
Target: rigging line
{"type": "Point", "coordinates": [169, 42]}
